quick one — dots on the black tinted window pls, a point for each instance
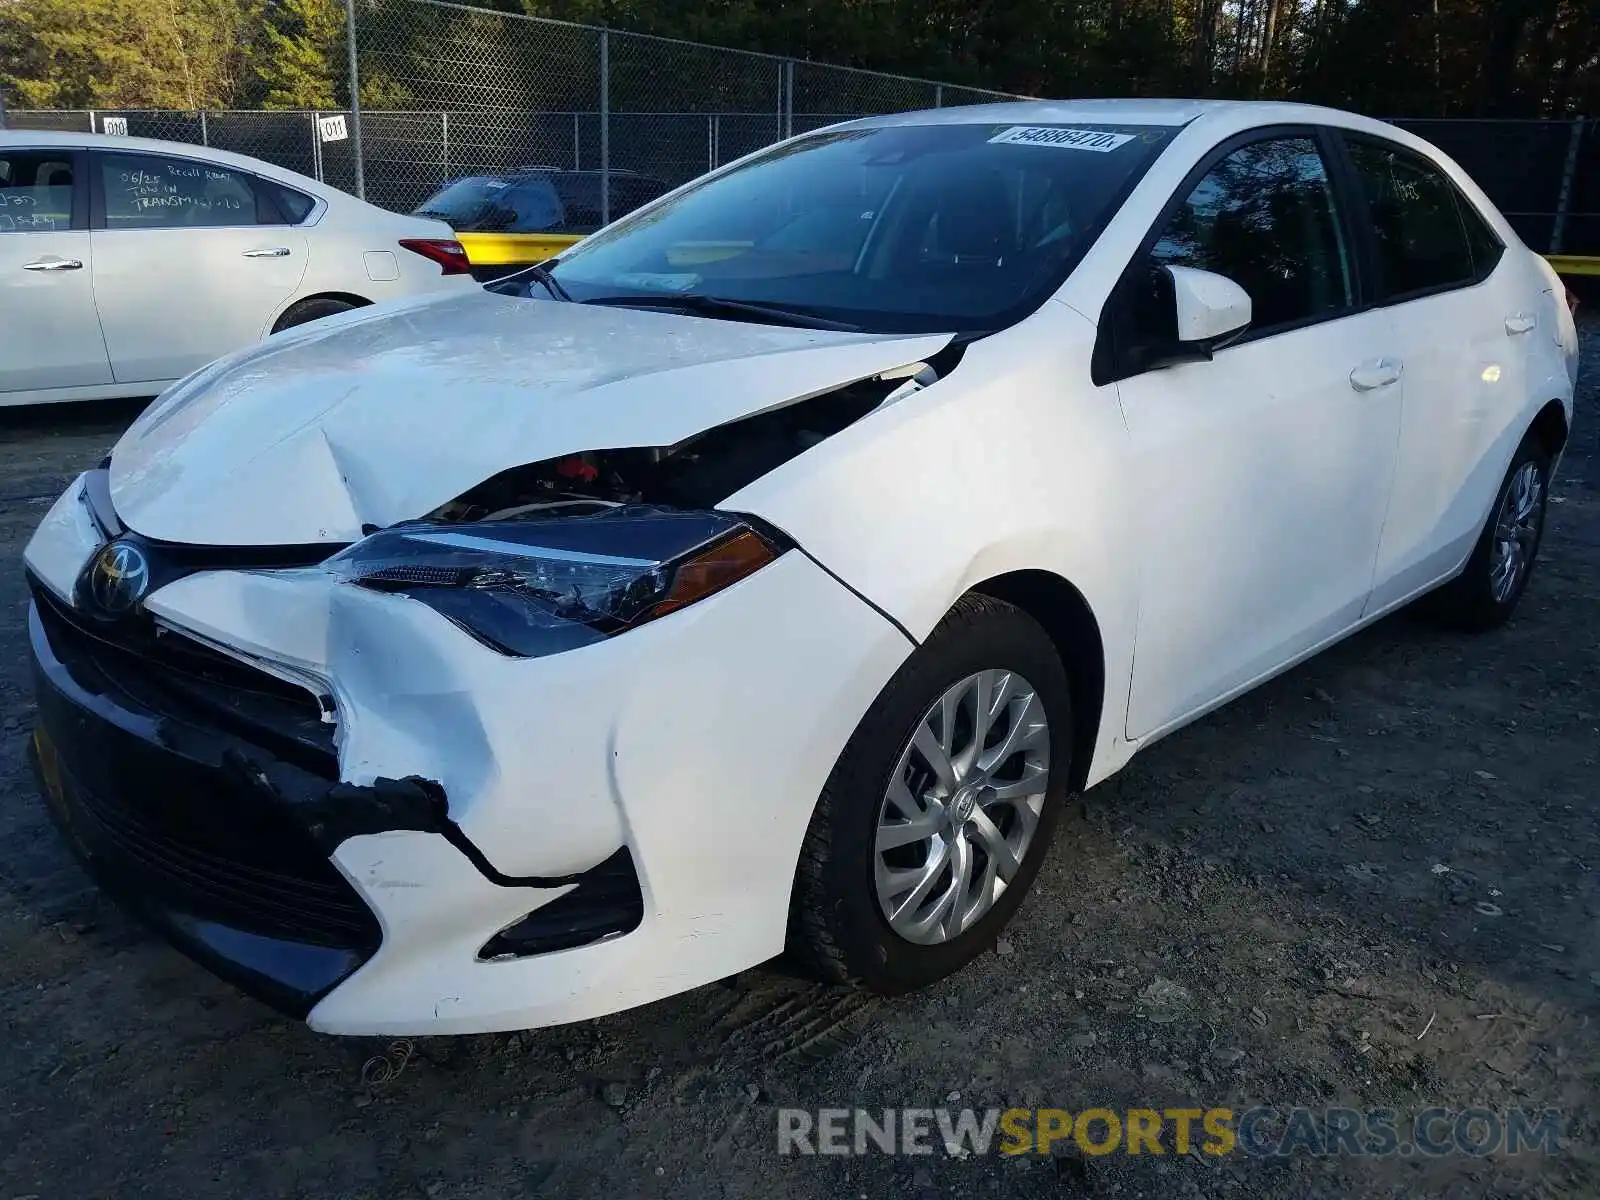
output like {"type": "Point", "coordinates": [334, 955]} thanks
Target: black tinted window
{"type": "Point", "coordinates": [1421, 238]}
{"type": "Point", "coordinates": [35, 191]}
{"type": "Point", "coordinates": [487, 204]}
{"type": "Point", "coordinates": [1264, 216]}
{"type": "Point", "coordinates": [293, 206]}
{"type": "Point", "coordinates": [145, 191]}
{"type": "Point", "coordinates": [580, 196]}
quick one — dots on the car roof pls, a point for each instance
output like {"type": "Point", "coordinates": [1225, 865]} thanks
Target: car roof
{"type": "Point", "coordinates": [1175, 112]}
{"type": "Point", "coordinates": [42, 139]}
{"type": "Point", "coordinates": [538, 171]}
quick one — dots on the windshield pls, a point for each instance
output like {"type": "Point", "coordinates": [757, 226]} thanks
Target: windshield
{"type": "Point", "coordinates": [901, 228]}
{"type": "Point", "coordinates": [485, 204]}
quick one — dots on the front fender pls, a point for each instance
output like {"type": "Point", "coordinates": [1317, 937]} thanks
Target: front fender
{"type": "Point", "coordinates": [1012, 461]}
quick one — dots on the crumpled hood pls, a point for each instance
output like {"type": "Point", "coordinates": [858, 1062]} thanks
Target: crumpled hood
{"type": "Point", "coordinates": [382, 415]}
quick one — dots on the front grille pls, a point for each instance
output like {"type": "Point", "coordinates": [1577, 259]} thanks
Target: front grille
{"type": "Point", "coordinates": [166, 672]}
{"type": "Point", "coordinates": [199, 828]}
{"type": "Point", "coordinates": [252, 870]}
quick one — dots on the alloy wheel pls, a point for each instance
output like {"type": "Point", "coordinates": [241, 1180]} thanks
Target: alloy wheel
{"type": "Point", "coordinates": [962, 806]}
{"type": "Point", "coordinates": [1516, 532]}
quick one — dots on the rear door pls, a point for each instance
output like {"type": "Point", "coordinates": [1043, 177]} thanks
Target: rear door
{"type": "Point", "coordinates": [49, 331]}
{"type": "Point", "coordinates": [1465, 320]}
{"type": "Point", "coordinates": [191, 261]}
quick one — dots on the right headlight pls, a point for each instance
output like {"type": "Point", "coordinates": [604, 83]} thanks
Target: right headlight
{"type": "Point", "coordinates": [534, 586]}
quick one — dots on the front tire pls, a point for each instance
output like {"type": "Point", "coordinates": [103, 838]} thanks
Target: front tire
{"type": "Point", "coordinates": [1486, 592]}
{"type": "Point", "coordinates": [934, 821]}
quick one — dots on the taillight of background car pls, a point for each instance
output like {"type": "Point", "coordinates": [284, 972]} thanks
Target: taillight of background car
{"type": "Point", "coordinates": [447, 252]}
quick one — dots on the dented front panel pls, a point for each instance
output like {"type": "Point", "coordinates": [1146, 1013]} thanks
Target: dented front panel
{"type": "Point", "coordinates": [321, 434]}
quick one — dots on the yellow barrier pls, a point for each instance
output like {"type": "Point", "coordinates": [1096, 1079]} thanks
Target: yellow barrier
{"type": "Point", "coordinates": [513, 249]}
{"type": "Point", "coordinates": [1574, 264]}
{"type": "Point", "coordinates": [523, 249]}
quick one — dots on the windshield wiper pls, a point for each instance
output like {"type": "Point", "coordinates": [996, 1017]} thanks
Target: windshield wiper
{"type": "Point", "coordinates": [712, 306]}
{"type": "Point", "coordinates": [551, 284]}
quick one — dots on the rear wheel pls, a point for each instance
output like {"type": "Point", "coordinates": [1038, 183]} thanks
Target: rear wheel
{"type": "Point", "coordinates": [1486, 592]}
{"type": "Point", "coordinates": [311, 310]}
{"type": "Point", "coordinates": [939, 811]}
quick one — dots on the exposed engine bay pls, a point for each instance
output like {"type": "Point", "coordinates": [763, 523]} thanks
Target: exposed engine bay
{"type": "Point", "coordinates": [698, 472]}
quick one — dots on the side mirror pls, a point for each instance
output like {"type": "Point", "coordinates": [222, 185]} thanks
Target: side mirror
{"type": "Point", "coordinates": [1211, 309]}
{"type": "Point", "coordinates": [1186, 316]}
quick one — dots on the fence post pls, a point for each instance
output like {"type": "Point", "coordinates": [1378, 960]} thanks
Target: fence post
{"type": "Point", "coordinates": [605, 127]}
{"type": "Point", "coordinates": [788, 98]}
{"type": "Point", "coordinates": [1564, 199]}
{"type": "Point", "coordinates": [91, 122]}
{"type": "Point", "coordinates": [938, 95]}
{"type": "Point", "coordinates": [355, 97]}
{"type": "Point", "coordinates": [716, 139]}
{"type": "Point", "coordinates": [444, 136]}
{"type": "Point", "coordinates": [711, 142]}
{"type": "Point", "coordinates": [316, 145]}
{"type": "Point", "coordinates": [577, 143]}
{"type": "Point", "coordinates": [205, 129]}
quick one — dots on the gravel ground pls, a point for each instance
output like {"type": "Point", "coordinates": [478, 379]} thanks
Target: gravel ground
{"type": "Point", "coordinates": [1252, 913]}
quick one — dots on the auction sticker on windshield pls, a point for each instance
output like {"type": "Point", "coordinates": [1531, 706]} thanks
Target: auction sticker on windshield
{"type": "Point", "coordinates": [1097, 140]}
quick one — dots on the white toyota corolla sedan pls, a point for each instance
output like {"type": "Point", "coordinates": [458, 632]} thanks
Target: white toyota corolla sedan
{"type": "Point", "coordinates": [127, 263]}
{"type": "Point", "coordinates": [764, 575]}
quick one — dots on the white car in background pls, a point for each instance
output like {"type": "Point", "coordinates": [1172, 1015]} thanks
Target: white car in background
{"type": "Point", "coordinates": [766, 572]}
{"type": "Point", "coordinates": [126, 263]}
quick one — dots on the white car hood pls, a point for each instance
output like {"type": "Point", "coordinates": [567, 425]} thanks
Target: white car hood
{"type": "Point", "coordinates": [381, 416]}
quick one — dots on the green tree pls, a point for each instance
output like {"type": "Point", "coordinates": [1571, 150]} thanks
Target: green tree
{"type": "Point", "coordinates": [302, 60]}
{"type": "Point", "coordinates": [127, 53]}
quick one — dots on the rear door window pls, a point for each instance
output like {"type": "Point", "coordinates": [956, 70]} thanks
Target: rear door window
{"type": "Point", "coordinates": [1423, 240]}
{"type": "Point", "coordinates": [36, 194]}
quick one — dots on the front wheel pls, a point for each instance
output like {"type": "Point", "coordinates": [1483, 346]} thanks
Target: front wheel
{"type": "Point", "coordinates": [936, 817]}
{"type": "Point", "coordinates": [1486, 592]}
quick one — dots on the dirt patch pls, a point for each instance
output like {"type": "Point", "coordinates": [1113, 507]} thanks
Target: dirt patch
{"type": "Point", "coordinates": [1374, 882]}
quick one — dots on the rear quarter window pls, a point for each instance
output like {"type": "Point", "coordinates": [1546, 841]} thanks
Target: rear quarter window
{"type": "Point", "coordinates": [294, 207]}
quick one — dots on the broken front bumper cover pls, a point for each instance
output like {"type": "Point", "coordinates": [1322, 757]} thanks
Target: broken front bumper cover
{"type": "Point", "coordinates": [475, 804]}
{"type": "Point", "coordinates": [225, 848]}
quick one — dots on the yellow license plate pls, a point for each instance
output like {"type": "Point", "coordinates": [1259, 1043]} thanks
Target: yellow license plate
{"type": "Point", "coordinates": [55, 791]}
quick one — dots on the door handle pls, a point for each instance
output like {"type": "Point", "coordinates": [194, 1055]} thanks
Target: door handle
{"type": "Point", "coordinates": [268, 252]}
{"type": "Point", "coordinates": [53, 264]}
{"type": "Point", "coordinates": [1520, 323]}
{"type": "Point", "coordinates": [1370, 376]}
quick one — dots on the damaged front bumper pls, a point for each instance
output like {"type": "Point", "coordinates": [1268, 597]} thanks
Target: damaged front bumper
{"type": "Point", "coordinates": [478, 842]}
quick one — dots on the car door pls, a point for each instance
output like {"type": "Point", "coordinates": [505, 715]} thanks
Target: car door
{"type": "Point", "coordinates": [191, 261]}
{"type": "Point", "coordinates": [1465, 320]}
{"type": "Point", "coordinates": [49, 331]}
{"type": "Point", "coordinates": [1260, 478]}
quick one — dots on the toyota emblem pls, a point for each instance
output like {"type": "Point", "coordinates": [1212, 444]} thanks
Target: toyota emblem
{"type": "Point", "coordinates": [119, 578]}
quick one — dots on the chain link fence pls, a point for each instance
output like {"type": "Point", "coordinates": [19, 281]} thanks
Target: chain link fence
{"type": "Point", "coordinates": [450, 90]}
{"type": "Point", "coordinates": [520, 90]}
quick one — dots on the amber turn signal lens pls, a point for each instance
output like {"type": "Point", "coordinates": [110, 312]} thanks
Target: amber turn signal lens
{"type": "Point", "coordinates": [715, 568]}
